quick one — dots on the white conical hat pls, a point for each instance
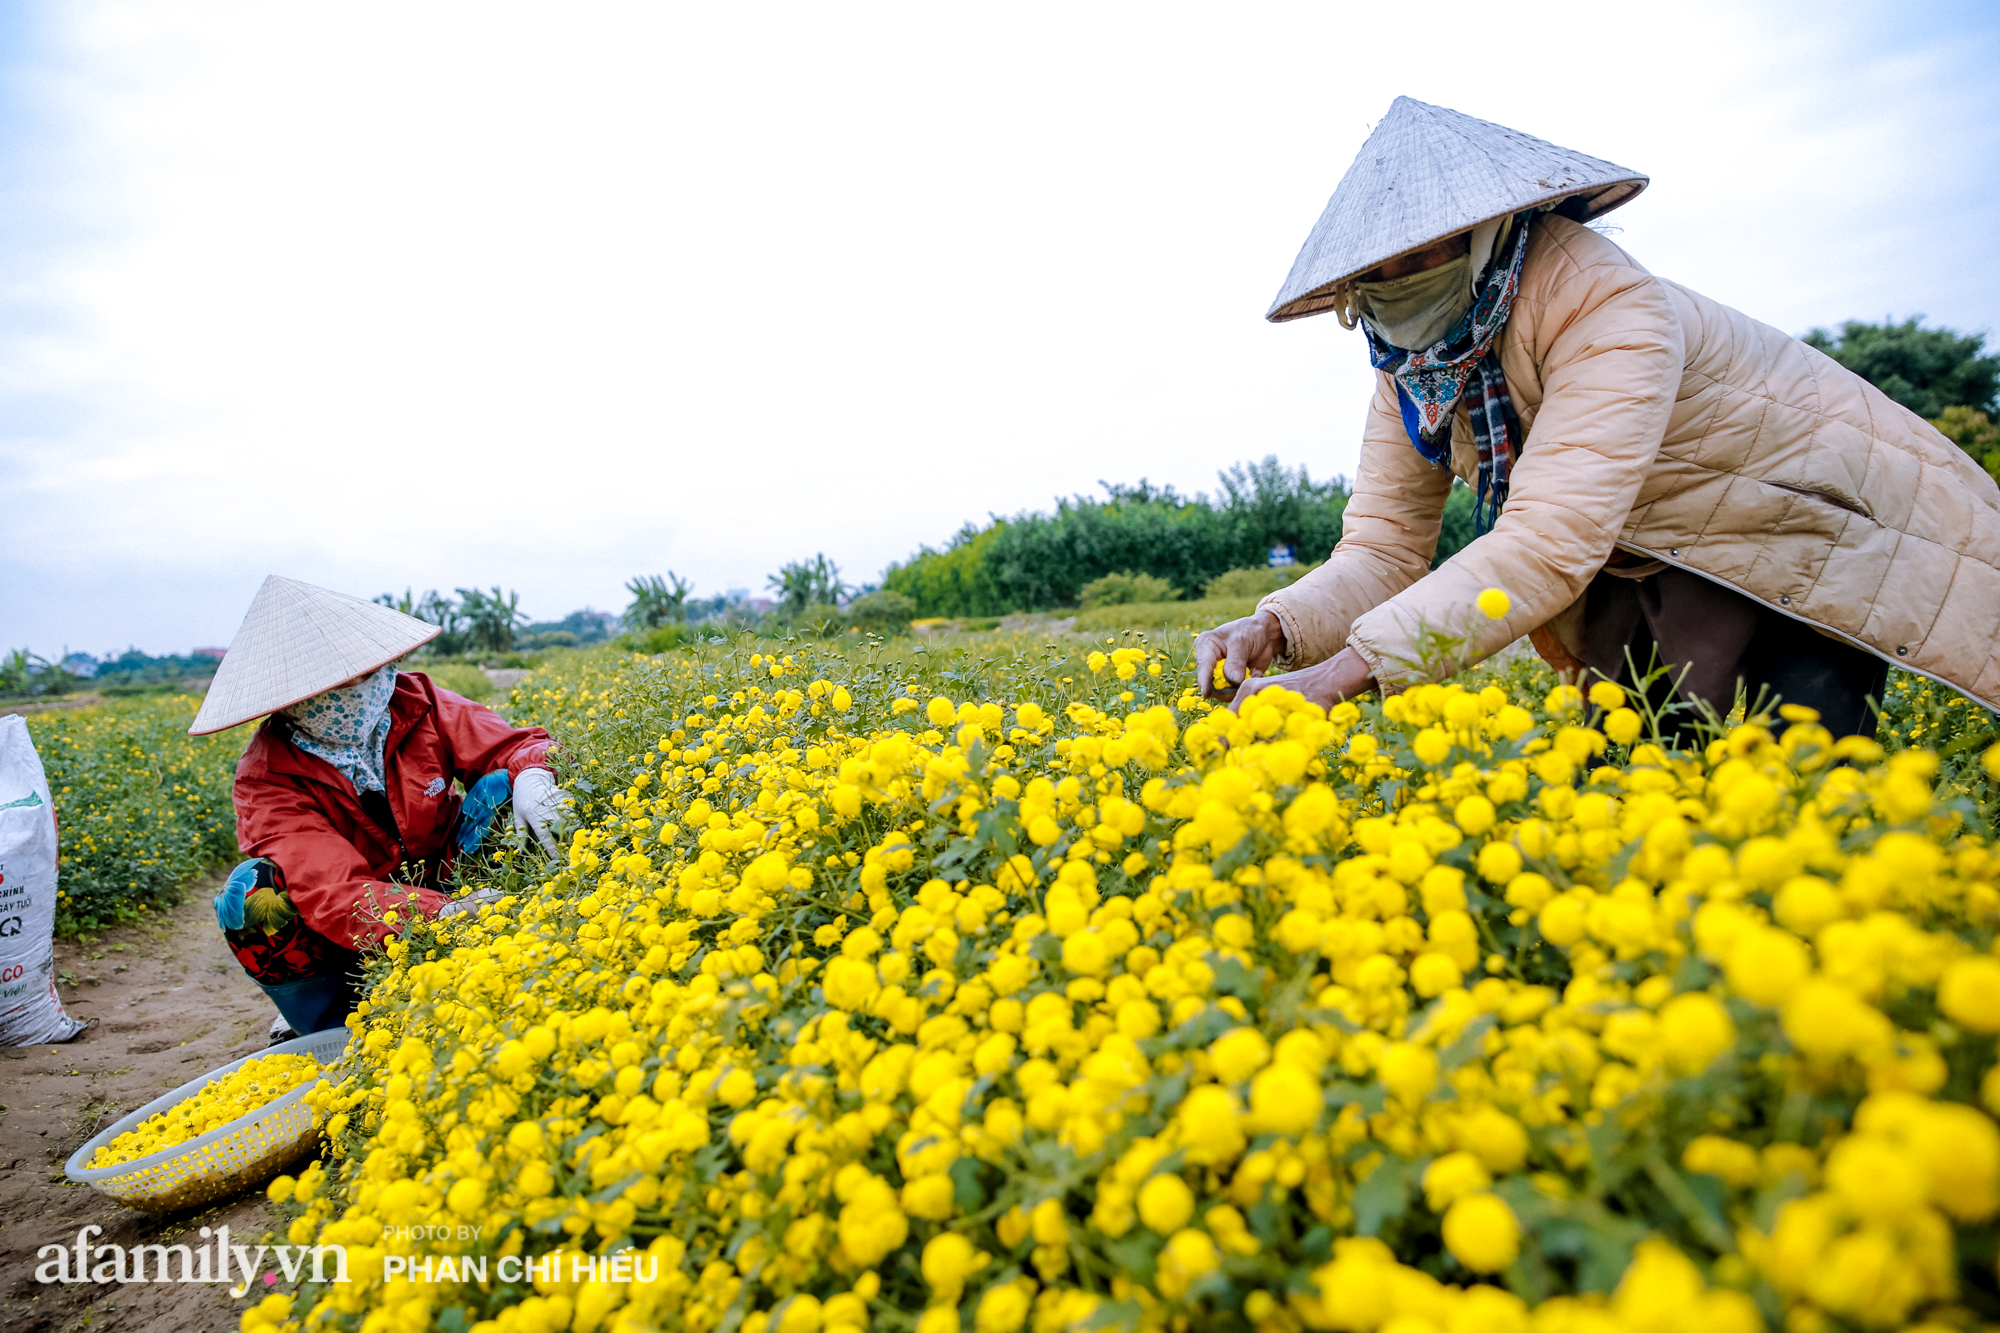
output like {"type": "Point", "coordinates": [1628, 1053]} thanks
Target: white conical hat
{"type": "Point", "coordinates": [298, 641]}
{"type": "Point", "coordinates": [1427, 173]}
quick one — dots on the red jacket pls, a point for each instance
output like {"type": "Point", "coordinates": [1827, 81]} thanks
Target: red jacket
{"type": "Point", "coordinates": [339, 865]}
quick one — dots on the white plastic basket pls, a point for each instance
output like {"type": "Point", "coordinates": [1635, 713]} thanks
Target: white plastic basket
{"type": "Point", "coordinates": [227, 1160]}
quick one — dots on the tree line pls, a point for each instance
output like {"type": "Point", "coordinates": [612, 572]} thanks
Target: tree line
{"type": "Point", "coordinates": [1040, 561]}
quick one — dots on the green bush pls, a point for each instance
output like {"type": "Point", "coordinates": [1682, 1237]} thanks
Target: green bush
{"type": "Point", "coordinates": [1034, 561]}
{"type": "Point", "coordinates": [1257, 582]}
{"type": "Point", "coordinates": [655, 641]}
{"type": "Point", "coordinates": [143, 807]}
{"type": "Point", "coordinates": [884, 611]}
{"type": "Point", "coordinates": [819, 618]}
{"type": "Point", "coordinates": [956, 581]}
{"type": "Point", "coordinates": [469, 681]}
{"type": "Point", "coordinates": [1124, 590]}
{"type": "Point", "coordinates": [1973, 432]}
{"type": "Point", "coordinates": [1199, 615]}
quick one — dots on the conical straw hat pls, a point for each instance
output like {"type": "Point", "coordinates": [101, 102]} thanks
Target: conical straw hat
{"type": "Point", "coordinates": [297, 641]}
{"type": "Point", "coordinates": [1427, 173]}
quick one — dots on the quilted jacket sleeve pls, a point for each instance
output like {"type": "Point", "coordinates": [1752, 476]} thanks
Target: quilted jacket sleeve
{"type": "Point", "coordinates": [1608, 344]}
{"type": "Point", "coordinates": [1388, 535]}
{"type": "Point", "coordinates": [325, 874]}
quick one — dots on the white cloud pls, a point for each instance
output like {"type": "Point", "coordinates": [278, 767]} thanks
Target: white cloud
{"type": "Point", "coordinates": [380, 295]}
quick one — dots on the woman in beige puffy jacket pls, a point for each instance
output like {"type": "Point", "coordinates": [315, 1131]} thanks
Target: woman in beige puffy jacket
{"type": "Point", "coordinates": [1673, 481]}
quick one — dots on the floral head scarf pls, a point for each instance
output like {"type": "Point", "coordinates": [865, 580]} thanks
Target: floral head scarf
{"type": "Point", "coordinates": [1430, 382]}
{"type": "Point", "coordinates": [348, 727]}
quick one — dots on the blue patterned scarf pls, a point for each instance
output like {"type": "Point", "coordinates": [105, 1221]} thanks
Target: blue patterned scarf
{"type": "Point", "coordinates": [1430, 382]}
{"type": "Point", "coordinates": [348, 727]}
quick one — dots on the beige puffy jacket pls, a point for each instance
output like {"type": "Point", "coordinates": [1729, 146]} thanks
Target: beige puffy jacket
{"type": "Point", "coordinates": [1673, 427]}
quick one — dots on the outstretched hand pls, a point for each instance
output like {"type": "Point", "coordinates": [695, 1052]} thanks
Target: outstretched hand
{"type": "Point", "coordinates": [1336, 680]}
{"type": "Point", "coordinates": [541, 807]}
{"type": "Point", "coordinates": [1242, 650]}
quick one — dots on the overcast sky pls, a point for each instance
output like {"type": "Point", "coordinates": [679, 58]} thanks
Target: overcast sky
{"type": "Point", "coordinates": [425, 295]}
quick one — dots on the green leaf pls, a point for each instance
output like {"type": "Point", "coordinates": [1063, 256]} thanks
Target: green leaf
{"type": "Point", "coordinates": [1317, 1245]}
{"type": "Point", "coordinates": [1705, 1223]}
{"type": "Point", "coordinates": [1382, 1197]}
{"type": "Point", "coordinates": [1469, 1044]}
{"type": "Point", "coordinates": [1370, 1097]}
{"type": "Point", "coordinates": [615, 1188]}
{"type": "Point", "coordinates": [1232, 978]}
{"type": "Point", "coordinates": [1136, 1255]}
{"type": "Point", "coordinates": [966, 1191]}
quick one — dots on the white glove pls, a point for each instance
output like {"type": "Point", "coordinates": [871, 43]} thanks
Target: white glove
{"type": "Point", "coordinates": [471, 903]}
{"type": "Point", "coordinates": [539, 805]}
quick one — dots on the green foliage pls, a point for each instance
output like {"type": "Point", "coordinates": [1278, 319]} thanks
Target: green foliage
{"type": "Point", "coordinates": [1198, 615]}
{"type": "Point", "coordinates": [1124, 589]}
{"type": "Point", "coordinates": [1037, 561]}
{"type": "Point", "coordinates": [469, 681]}
{"type": "Point", "coordinates": [957, 581]}
{"type": "Point", "coordinates": [27, 675]}
{"type": "Point", "coordinates": [1456, 533]}
{"type": "Point", "coordinates": [884, 611]}
{"type": "Point", "coordinates": [1256, 581]}
{"type": "Point", "coordinates": [819, 618]}
{"type": "Point", "coordinates": [655, 600]}
{"type": "Point", "coordinates": [805, 583]}
{"type": "Point", "coordinates": [14, 675]}
{"type": "Point", "coordinates": [143, 807]}
{"type": "Point", "coordinates": [478, 622]}
{"type": "Point", "coordinates": [433, 608]}
{"type": "Point", "coordinates": [1919, 715]}
{"type": "Point", "coordinates": [1926, 370]}
{"type": "Point", "coordinates": [662, 640]}
{"type": "Point", "coordinates": [490, 619]}
{"type": "Point", "coordinates": [1973, 432]}
{"type": "Point", "coordinates": [1274, 506]}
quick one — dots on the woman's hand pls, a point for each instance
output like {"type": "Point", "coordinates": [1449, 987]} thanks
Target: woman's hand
{"type": "Point", "coordinates": [1333, 681]}
{"type": "Point", "coordinates": [1245, 647]}
{"type": "Point", "coordinates": [540, 807]}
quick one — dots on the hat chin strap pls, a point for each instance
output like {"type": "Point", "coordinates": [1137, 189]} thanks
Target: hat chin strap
{"type": "Point", "coordinates": [1343, 306]}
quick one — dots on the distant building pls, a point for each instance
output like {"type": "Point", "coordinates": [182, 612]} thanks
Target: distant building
{"type": "Point", "coordinates": [81, 665]}
{"type": "Point", "coordinates": [214, 654]}
{"type": "Point", "coordinates": [582, 627]}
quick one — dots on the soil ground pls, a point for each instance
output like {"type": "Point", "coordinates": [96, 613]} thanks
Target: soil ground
{"type": "Point", "coordinates": [171, 1003]}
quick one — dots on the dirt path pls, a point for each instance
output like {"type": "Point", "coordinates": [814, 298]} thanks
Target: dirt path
{"type": "Point", "coordinates": [170, 1004]}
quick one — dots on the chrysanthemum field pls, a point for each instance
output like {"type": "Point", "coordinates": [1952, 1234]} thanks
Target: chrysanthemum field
{"type": "Point", "coordinates": [1004, 989]}
{"type": "Point", "coordinates": [143, 807]}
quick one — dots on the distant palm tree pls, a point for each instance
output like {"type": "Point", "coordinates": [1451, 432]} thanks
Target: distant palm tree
{"type": "Point", "coordinates": [490, 619]}
{"type": "Point", "coordinates": [655, 600]}
{"type": "Point", "coordinates": [803, 583]}
{"type": "Point", "coordinates": [435, 609]}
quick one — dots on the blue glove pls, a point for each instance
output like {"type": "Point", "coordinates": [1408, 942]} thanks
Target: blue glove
{"type": "Point", "coordinates": [483, 800]}
{"type": "Point", "coordinates": [229, 903]}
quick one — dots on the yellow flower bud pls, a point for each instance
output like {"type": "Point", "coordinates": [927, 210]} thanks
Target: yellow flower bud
{"type": "Point", "coordinates": [1482, 1233]}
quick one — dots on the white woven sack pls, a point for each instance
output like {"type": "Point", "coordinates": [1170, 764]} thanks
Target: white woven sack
{"type": "Point", "coordinates": [30, 1010]}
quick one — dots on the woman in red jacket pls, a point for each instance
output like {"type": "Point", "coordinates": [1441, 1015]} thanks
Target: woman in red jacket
{"type": "Point", "coordinates": [345, 797]}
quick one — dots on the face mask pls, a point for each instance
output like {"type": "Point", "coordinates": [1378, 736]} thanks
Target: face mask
{"type": "Point", "coordinates": [346, 714]}
{"type": "Point", "coordinates": [349, 727]}
{"type": "Point", "coordinates": [1415, 311]}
